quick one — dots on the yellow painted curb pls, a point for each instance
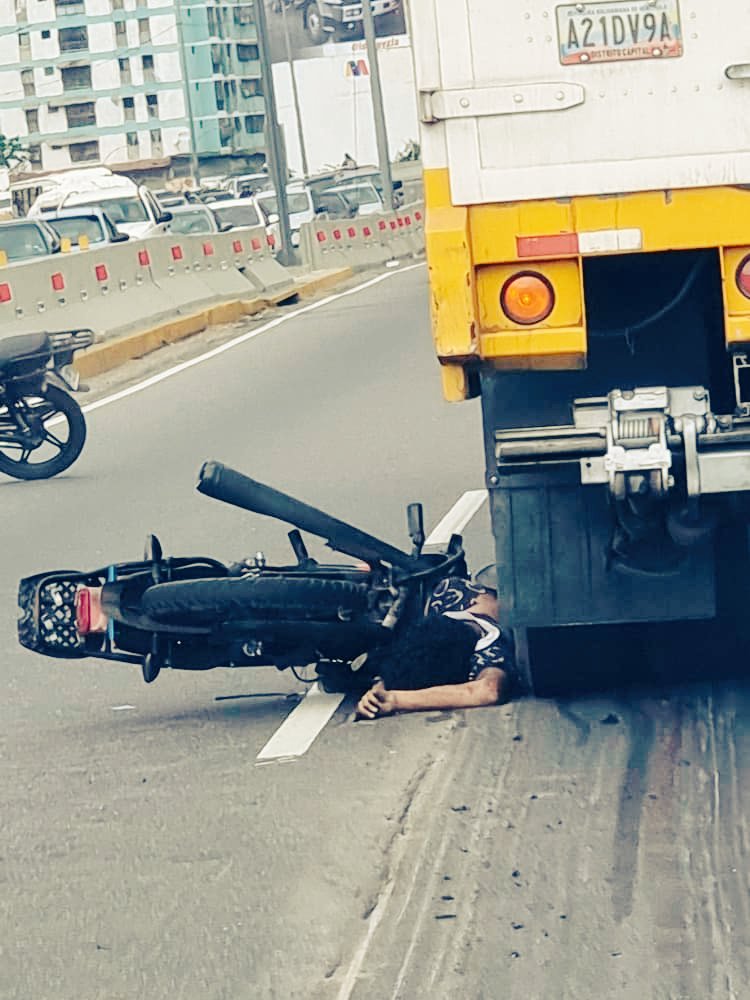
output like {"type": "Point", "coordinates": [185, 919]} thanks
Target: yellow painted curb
{"type": "Point", "coordinates": [320, 282]}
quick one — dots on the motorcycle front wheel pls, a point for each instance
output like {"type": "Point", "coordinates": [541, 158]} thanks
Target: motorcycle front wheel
{"type": "Point", "coordinates": [59, 434]}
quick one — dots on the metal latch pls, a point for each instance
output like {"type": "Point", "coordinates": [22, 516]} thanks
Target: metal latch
{"type": "Point", "coordinates": [486, 102]}
{"type": "Point", "coordinates": [738, 71]}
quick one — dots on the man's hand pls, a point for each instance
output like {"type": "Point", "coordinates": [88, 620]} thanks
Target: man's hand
{"type": "Point", "coordinates": [376, 702]}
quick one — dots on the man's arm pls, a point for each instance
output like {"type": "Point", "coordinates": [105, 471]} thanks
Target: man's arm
{"type": "Point", "coordinates": [488, 689]}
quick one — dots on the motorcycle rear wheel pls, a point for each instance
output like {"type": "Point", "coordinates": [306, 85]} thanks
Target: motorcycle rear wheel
{"type": "Point", "coordinates": [228, 599]}
{"type": "Point", "coordinates": [47, 405]}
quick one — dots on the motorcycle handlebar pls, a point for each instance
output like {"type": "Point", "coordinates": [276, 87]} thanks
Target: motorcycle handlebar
{"type": "Point", "coordinates": [222, 483]}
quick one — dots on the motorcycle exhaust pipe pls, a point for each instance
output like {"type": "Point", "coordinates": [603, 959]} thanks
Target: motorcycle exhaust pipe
{"type": "Point", "coordinates": [222, 483]}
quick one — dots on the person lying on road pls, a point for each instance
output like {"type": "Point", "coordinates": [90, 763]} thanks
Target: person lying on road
{"type": "Point", "coordinates": [456, 657]}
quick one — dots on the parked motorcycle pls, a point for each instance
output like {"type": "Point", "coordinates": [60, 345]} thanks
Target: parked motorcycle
{"type": "Point", "coordinates": [42, 428]}
{"type": "Point", "coordinates": [196, 613]}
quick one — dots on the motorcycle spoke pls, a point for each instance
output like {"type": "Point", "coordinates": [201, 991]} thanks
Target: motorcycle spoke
{"type": "Point", "coordinates": [53, 440]}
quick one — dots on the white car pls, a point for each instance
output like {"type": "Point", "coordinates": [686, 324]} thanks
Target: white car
{"type": "Point", "coordinates": [131, 207]}
{"type": "Point", "coordinates": [299, 203]}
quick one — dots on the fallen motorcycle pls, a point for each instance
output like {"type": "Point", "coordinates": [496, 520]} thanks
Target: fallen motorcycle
{"type": "Point", "coordinates": [42, 428]}
{"type": "Point", "coordinates": [196, 613]}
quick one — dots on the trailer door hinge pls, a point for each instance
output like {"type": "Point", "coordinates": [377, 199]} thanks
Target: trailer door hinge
{"type": "Point", "coordinates": [485, 102]}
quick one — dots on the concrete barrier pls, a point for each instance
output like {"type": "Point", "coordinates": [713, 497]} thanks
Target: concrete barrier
{"type": "Point", "coordinates": [364, 241]}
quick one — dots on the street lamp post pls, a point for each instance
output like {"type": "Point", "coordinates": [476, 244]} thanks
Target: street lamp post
{"type": "Point", "coordinates": [295, 95]}
{"type": "Point", "coordinates": [195, 163]}
{"type": "Point", "coordinates": [381, 132]}
{"type": "Point", "coordinates": [274, 138]}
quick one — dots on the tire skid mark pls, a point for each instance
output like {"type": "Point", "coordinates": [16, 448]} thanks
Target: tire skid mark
{"type": "Point", "coordinates": [625, 850]}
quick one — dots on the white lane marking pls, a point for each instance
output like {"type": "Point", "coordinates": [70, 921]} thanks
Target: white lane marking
{"type": "Point", "coordinates": [457, 517]}
{"type": "Point", "coordinates": [243, 338]}
{"type": "Point", "coordinates": [298, 731]}
{"type": "Point", "coordinates": [302, 726]}
{"type": "Point", "coordinates": [122, 708]}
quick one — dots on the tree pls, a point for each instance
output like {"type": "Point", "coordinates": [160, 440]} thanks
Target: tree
{"type": "Point", "coordinates": [12, 152]}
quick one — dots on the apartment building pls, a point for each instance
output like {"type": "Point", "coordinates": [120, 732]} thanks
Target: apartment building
{"type": "Point", "coordinates": [117, 82]}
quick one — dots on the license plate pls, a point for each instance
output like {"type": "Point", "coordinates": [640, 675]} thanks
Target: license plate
{"type": "Point", "coordinates": [611, 32]}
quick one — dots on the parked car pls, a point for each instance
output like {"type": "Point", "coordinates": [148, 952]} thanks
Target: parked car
{"type": "Point", "coordinates": [189, 220]}
{"type": "Point", "coordinates": [331, 20]}
{"type": "Point", "coordinates": [91, 222]}
{"type": "Point", "coordinates": [24, 239]}
{"type": "Point", "coordinates": [247, 184]}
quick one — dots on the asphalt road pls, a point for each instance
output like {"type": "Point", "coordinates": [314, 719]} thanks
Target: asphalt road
{"type": "Point", "coordinates": [587, 847]}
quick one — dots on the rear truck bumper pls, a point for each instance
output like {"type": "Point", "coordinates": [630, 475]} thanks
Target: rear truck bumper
{"type": "Point", "coordinates": [473, 250]}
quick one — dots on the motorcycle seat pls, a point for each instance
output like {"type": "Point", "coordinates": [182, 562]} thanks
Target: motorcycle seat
{"type": "Point", "coordinates": [24, 348]}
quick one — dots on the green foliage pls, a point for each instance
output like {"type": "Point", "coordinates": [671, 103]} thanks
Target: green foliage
{"type": "Point", "coordinates": [12, 152]}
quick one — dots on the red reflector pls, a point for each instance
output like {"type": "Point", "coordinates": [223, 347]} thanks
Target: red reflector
{"type": "Point", "coordinates": [237, 246]}
{"type": "Point", "coordinates": [418, 216]}
{"type": "Point", "coordinates": [400, 222]}
{"type": "Point", "coordinates": [176, 253]}
{"type": "Point", "coordinates": [547, 246]}
{"type": "Point", "coordinates": [337, 234]}
{"type": "Point", "coordinates": [89, 614]}
{"type": "Point", "coordinates": [407, 220]}
{"type": "Point", "coordinates": [366, 231]}
{"type": "Point", "coordinates": [321, 237]}
{"type": "Point", "coordinates": [5, 294]}
{"type": "Point", "coordinates": [743, 277]}
{"type": "Point", "coordinates": [393, 224]}
{"type": "Point", "coordinates": [83, 611]}
{"type": "Point", "coordinates": [271, 240]}
{"type": "Point", "coordinates": [351, 232]}
{"type": "Point", "coordinates": [255, 243]}
{"type": "Point", "coordinates": [101, 272]}
{"type": "Point", "coordinates": [58, 282]}
{"type": "Point", "coordinates": [143, 258]}
{"type": "Point", "coordinates": [382, 225]}
{"type": "Point", "coordinates": [208, 249]}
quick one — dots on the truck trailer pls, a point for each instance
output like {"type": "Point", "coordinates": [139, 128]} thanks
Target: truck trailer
{"type": "Point", "coordinates": [587, 182]}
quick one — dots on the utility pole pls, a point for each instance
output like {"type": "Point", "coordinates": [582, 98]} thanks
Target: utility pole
{"type": "Point", "coordinates": [274, 139]}
{"type": "Point", "coordinates": [381, 133]}
{"type": "Point", "coordinates": [295, 95]}
{"type": "Point", "coordinates": [194, 162]}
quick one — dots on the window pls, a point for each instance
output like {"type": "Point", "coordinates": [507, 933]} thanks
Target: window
{"type": "Point", "coordinates": [35, 154]}
{"type": "Point", "coordinates": [63, 7]}
{"type": "Point", "coordinates": [152, 105]}
{"type": "Point", "coordinates": [124, 65]}
{"type": "Point", "coordinates": [251, 88]}
{"type": "Point", "coordinates": [243, 15]}
{"type": "Point", "coordinates": [148, 69]}
{"type": "Point", "coordinates": [117, 5]}
{"type": "Point", "coordinates": [247, 53]}
{"type": "Point", "coordinates": [73, 39]}
{"type": "Point", "coordinates": [49, 70]}
{"type": "Point", "coordinates": [128, 109]}
{"type": "Point", "coordinates": [27, 80]}
{"type": "Point", "coordinates": [121, 34]}
{"type": "Point", "coordinates": [76, 77]}
{"type": "Point", "coordinates": [238, 215]}
{"type": "Point", "coordinates": [80, 114]}
{"type": "Point", "coordinates": [219, 96]}
{"type": "Point", "coordinates": [24, 44]}
{"type": "Point", "coordinates": [46, 34]}
{"type": "Point", "coordinates": [253, 124]}
{"type": "Point", "coordinates": [236, 124]}
{"type": "Point", "coordinates": [83, 152]}
{"type": "Point", "coordinates": [32, 120]}
{"type": "Point", "coordinates": [156, 142]}
{"type": "Point", "coordinates": [144, 30]}
{"type": "Point", "coordinates": [132, 138]}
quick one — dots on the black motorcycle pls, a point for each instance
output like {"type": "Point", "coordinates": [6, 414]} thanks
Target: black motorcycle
{"type": "Point", "coordinates": [196, 613]}
{"type": "Point", "coordinates": [42, 428]}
